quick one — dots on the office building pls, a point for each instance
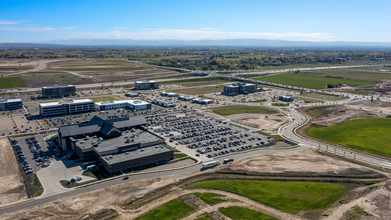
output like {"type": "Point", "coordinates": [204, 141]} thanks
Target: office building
{"type": "Point", "coordinates": [10, 104]}
{"type": "Point", "coordinates": [185, 98]}
{"type": "Point", "coordinates": [163, 103]}
{"type": "Point", "coordinates": [58, 91]}
{"type": "Point", "coordinates": [286, 98]}
{"type": "Point", "coordinates": [240, 88]}
{"type": "Point", "coordinates": [66, 107]}
{"type": "Point", "coordinates": [202, 101]}
{"type": "Point", "coordinates": [130, 104]}
{"type": "Point", "coordinates": [145, 85]}
{"type": "Point", "coordinates": [119, 145]}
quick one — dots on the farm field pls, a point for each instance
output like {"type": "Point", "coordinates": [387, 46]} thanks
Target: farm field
{"type": "Point", "coordinates": [200, 90]}
{"type": "Point", "coordinates": [201, 81]}
{"type": "Point", "coordinates": [370, 135]}
{"type": "Point", "coordinates": [37, 79]}
{"type": "Point", "coordinates": [173, 209]}
{"type": "Point", "coordinates": [241, 109]}
{"type": "Point", "coordinates": [291, 197]}
{"type": "Point", "coordinates": [241, 213]}
{"type": "Point", "coordinates": [308, 81]}
{"type": "Point", "coordinates": [11, 82]}
{"type": "Point", "coordinates": [106, 98]}
{"type": "Point", "coordinates": [365, 74]}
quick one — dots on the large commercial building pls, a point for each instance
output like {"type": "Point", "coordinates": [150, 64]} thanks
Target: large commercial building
{"type": "Point", "coordinates": [169, 94]}
{"type": "Point", "coordinates": [119, 144]}
{"type": "Point", "coordinates": [57, 91]}
{"type": "Point", "coordinates": [186, 97]}
{"type": "Point", "coordinates": [131, 104]}
{"type": "Point", "coordinates": [10, 104]}
{"type": "Point", "coordinates": [285, 98]}
{"type": "Point", "coordinates": [240, 88]}
{"type": "Point", "coordinates": [145, 85]}
{"type": "Point", "coordinates": [66, 107]}
{"type": "Point", "coordinates": [202, 101]}
{"type": "Point", "coordinates": [163, 103]}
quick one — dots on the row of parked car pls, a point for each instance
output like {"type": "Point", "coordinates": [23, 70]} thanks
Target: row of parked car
{"type": "Point", "coordinates": [22, 157]}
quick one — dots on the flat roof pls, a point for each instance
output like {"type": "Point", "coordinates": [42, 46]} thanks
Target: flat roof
{"type": "Point", "coordinates": [139, 153]}
{"type": "Point", "coordinates": [57, 86]}
{"type": "Point", "coordinates": [73, 101]}
{"type": "Point", "coordinates": [110, 144]}
{"type": "Point", "coordinates": [128, 101]}
{"type": "Point", "coordinates": [10, 100]}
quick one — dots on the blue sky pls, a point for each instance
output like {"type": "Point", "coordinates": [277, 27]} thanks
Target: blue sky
{"type": "Point", "coordinates": [342, 20]}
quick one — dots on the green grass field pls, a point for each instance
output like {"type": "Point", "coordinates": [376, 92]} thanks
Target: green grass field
{"type": "Point", "coordinates": [203, 216]}
{"type": "Point", "coordinates": [241, 213]}
{"type": "Point", "coordinates": [210, 198]}
{"type": "Point", "coordinates": [180, 155]}
{"type": "Point", "coordinates": [319, 110]}
{"type": "Point", "coordinates": [365, 74]}
{"type": "Point", "coordinates": [36, 181]}
{"type": "Point", "coordinates": [360, 92]}
{"type": "Point", "coordinates": [371, 135]}
{"type": "Point", "coordinates": [11, 82]}
{"type": "Point", "coordinates": [291, 197]}
{"type": "Point", "coordinates": [242, 109]}
{"type": "Point", "coordinates": [106, 98]}
{"type": "Point", "coordinates": [308, 81]}
{"type": "Point", "coordinates": [174, 209]}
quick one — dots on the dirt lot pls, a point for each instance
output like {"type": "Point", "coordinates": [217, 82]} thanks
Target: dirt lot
{"type": "Point", "coordinates": [338, 115]}
{"type": "Point", "coordinates": [305, 161]}
{"type": "Point", "coordinates": [376, 106]}
{"type": "Point", "coordinates": [268, 125]}
{"type": "Point", "coordinates": [14, 66]}
{"type": "Point", "coordinates": [51, 78]}
{"type": "Point", "coordinates": [12, 186]}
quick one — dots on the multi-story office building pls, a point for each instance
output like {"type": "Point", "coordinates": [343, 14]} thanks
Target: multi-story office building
{"type": "Point", "coordinates": [66, 107]}
{"type": "Point", "coordinates": [131, 104]}
{"type": "Point", "coordinates": [145, 85]}
{"type": "Point", "coordinates": [57, 91]}
{"type": "Point", "coordinates": [240, 88]}
{"type": "Point", "coordinates": [10, 104]}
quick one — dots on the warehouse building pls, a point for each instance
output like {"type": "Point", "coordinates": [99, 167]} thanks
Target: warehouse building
{"type": "Point", "coordinates": [66, 107]}
{"type": "Point", "coordinates": [57, 91]}
{"type": "Point", "coordinates": [185, 97]}
{"type": "Point", "coordinates": [202, 101]}
{"type": "Point", "coordinates": [10, 104]}
{"type": "Point", "coordinates": [145, 85]}
{"type": "Point", "coordinates": [240, 88]}
{"type": "Point", "coordinates": [119, 144]}
{"type": "Point", "coordinates": [286, 98]}
{"type": "Point", "coordinates": [130, 104]}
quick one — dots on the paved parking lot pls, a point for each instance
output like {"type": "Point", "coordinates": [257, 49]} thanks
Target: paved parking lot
{"type": "Point", "coordinates": [204, 136]}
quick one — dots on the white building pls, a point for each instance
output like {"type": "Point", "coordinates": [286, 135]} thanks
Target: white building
{"type": "Point", "coordinates": [169, 94]}
{"type": "Point", "coordinates": [202, 101]}
{"type": "Point", "coordinates": [66, 107]}
{"type": "Point", "coordinates": [185, 98]}
{"type": "Point", "coordinates": [131, 104]}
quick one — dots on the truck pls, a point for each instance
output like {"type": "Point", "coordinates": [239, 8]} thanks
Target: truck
{"type": "Point", "coordinates": [228, 160]}
{"type": "Point", "coordinates": [210, 164]}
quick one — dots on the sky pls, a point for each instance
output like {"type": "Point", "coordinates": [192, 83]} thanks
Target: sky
{"type": "Point", "coordinates": [296, 20]}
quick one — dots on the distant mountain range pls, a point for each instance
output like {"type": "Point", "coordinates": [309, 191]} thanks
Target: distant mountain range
{"type": "Point", "coordinates": [197, 43]}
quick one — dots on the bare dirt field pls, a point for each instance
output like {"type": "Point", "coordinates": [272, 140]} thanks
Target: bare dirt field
{"type": "Point", "coordinates": [268, 125]}
{"type": "Point", "coordinates": [12, 186]}
{"type": "Point", "coordinates": [14, 66]}
{"type": "Point", "coordinates": [376, 106]}
{"type": "Point", "coordinates": [304, 161]}
{"type": "Point", "coordinates": [338, 115]}
{"type": "Point", "coordinates": [38, 79]}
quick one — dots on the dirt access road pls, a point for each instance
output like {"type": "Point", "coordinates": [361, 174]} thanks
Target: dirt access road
{"type": "Point", "coordinates": [12, 186]}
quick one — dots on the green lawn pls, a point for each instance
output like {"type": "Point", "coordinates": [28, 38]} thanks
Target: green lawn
{"type": "Point", "coordinates": [318, 111]}
{"type": "Point", "coordinates": [365, 74]}
{"type": "Point", "coordinates": [106, 98]}
{"type": "Point", "coordinates": [241, 213]}
{"type": "Point", "coordinates": [309, 81]}
{"type": "Point", "coordinates": [360, 92]}
{"type": "Point", "coordinates": [174, 209]}
{"type": "Point", "coordinates": [11, 82]}
{"type": "Point", "coordinates": [180, 155]}
{"type": "Point", "coordinates": [38, 193]}
{"type": "Point", "coordinates": [291, 197]}
{"type": "Point", "coordinates": [371, 135]}
{"type": "Point", "coordinates": [210, 198]}
{"type": "Point", "coordinates": [242, 109]}
{"type": "Point", "coordinates": [36, 181]}
{"type": "Point", "coordinates": [280, 104]}
{"type": "Point", "coordinates": [203, 216]}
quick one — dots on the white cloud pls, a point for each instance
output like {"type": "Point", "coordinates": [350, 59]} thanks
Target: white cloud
{"type": "Point", "coordinates": [69, 28]}
{"type": "Point", "coordinates": [209, 29]}
{"type": "Point", "coordinates": [28, 29]}
{"type": "Point", "coordinates": [201, 35]}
